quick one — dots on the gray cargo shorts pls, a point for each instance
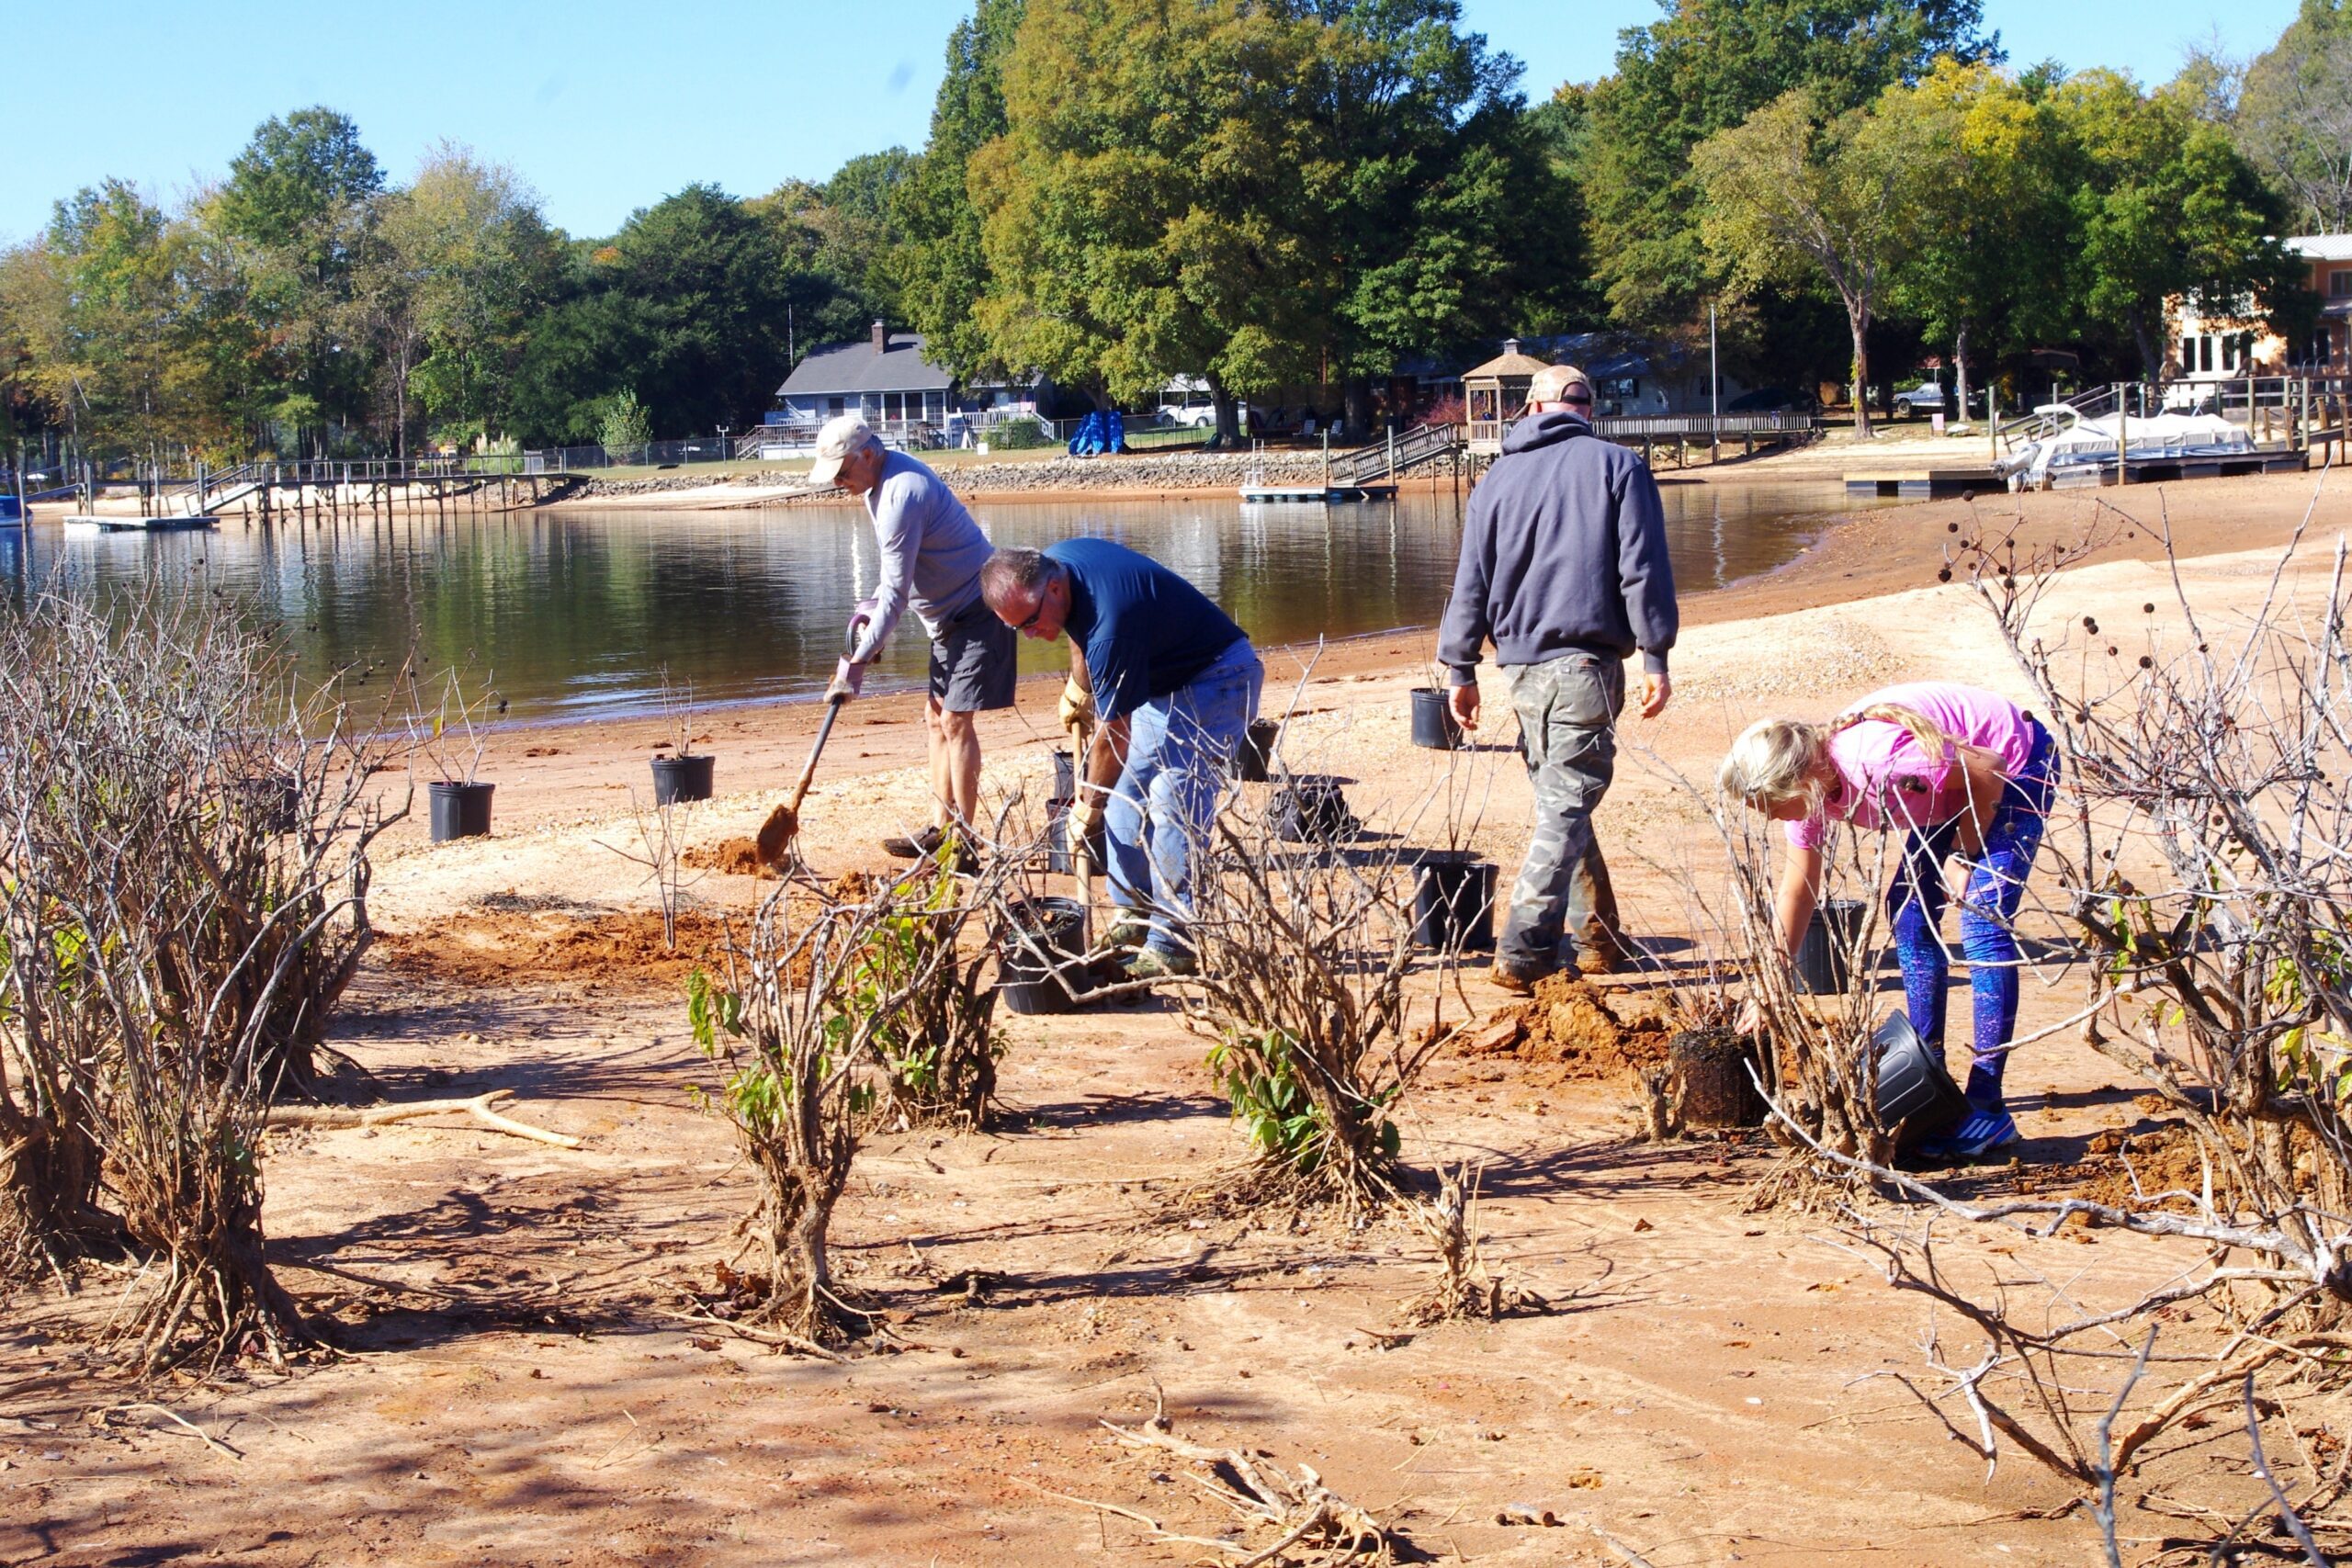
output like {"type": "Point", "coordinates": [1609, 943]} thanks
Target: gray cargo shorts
{"type": "Point", "coordinates": [974, 660]}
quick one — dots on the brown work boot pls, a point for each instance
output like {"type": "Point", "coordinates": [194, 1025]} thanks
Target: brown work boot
{"type": "Point", "coordinates": [1605, 959]}
{"type": "Point", "coordinates": [1518, 982]}
{"type": "Point", "coordinates": [918, 846]}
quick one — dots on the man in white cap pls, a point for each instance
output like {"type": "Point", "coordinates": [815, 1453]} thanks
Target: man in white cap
{"type": "Point", "coordinates": [932, 555]}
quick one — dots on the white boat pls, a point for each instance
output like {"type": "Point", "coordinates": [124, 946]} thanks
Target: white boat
{"type": "Point", "coordinates": [2081, 451]}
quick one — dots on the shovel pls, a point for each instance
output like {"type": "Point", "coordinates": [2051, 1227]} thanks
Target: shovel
{"type": "Point", "coordinates": [1081, 856]}
{"type": "Point", "coordinates": [783, 826]}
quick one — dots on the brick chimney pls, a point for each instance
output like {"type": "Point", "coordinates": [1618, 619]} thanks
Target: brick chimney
{"type": "Point", "coordinates": [881, 336]}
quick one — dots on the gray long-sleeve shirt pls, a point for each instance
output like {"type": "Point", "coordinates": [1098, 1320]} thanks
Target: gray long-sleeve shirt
{"type": "Point", "coordinates": [1563, 548]}
{"type": "Point", "coordinates": [932, 552]}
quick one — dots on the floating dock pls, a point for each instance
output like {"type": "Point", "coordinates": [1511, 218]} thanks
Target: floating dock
{"type": "Point", "coordinates": [1923, 483]}
{"type": "Point", "coordinates": [1310, 494]}
{"type": "Point", "coordinates": [84, 523]}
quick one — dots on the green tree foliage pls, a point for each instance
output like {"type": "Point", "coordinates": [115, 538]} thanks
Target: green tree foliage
{"type": "Point", "coordinates": [943, 264]}
{"type": "Point", "coordinates": [1795, 197]}
{"type": "Point", "coordinates": [1704, 68]}
{"type": "Point", "coordinates": [297, 200]}
{"type": "Point", "coordinates": [2294, 115]}
{"type": "Point", "coordinates": [1987, 262]}
{"type": "Point", "coordinates": [1255, 193]}
{"type": "Point", "coordinates": [468, 251]}
{"type": "Point", "coordinates": [2167, 205]}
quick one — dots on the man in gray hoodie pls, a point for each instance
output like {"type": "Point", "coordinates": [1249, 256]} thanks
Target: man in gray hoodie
{"type": "Point", "coordinates": [1564, 568]}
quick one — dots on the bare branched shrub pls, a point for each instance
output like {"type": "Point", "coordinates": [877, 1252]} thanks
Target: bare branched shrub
{"type": "Point", "coordinates": [1305, 953]}
{"type": "Point", "coordinates": [827, 1016]}
{"type": "Point", "coordinates": [2202, 829]}
{"type": "Point", "coordinates": [186, 869]}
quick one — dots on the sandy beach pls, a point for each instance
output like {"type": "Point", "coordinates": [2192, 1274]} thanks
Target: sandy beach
{"type": "Point", "coordinates": [518, 1391]}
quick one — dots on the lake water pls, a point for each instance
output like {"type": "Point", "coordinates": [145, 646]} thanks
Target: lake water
{"type": "Point", "coordinates": [576, 614]}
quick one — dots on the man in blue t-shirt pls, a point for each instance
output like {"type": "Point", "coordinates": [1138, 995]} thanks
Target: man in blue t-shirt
{"type": "Point", "coordinates": [1174, 684]}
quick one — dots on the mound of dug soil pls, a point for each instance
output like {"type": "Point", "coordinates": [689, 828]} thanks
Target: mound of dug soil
{"type": "Point", "coordinates": [495, 947]}
{"type": "Point", "coordinates": [1568, 1032]}
{"type": "Point", "coordinates": [731, 857]}
{"type": "Point", "coordinates": [2164, 1158]}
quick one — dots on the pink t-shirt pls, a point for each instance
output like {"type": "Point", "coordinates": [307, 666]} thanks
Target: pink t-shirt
{"type": "Point", "coordinates": [1886, 782]}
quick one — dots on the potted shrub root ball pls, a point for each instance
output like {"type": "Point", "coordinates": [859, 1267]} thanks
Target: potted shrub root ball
{"type": "Point", "coordinates": [685, 774]}
{"type": "Point", "coordinates": [452, 737]}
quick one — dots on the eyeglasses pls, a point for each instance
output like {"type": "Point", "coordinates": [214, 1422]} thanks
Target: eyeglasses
{"type": "Point", "coordinates": [1044, 598]}
{"type": "Point", "coordinates": [1576, 397]}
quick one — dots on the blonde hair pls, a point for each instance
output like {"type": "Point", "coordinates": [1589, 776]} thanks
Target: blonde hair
{"type": "Point", "coordinates": [1777, 760]}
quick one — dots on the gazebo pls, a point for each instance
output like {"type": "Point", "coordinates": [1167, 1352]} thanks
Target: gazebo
{"type": "Point", "coordinates": [1494, 394]}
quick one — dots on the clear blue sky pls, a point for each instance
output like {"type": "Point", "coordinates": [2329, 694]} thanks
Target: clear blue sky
{"type": "Point", "coordinates": [604, 108]}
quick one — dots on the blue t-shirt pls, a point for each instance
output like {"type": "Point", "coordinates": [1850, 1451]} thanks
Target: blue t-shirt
{"type": "Point", "coordinates": [1147, 631]}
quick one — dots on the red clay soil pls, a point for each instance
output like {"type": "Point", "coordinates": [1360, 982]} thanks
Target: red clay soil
{"type": "Point", "coordinates": [1568, 1032]}
{"type": "Point", "coordinates": [499, 947]}
{"type": "Point", "coordinates": [730, 857]}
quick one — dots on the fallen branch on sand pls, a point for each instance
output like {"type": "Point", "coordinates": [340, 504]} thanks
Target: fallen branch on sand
{"type": "Point", "coordinates": [1309, 1512]}
{"type": "Point", "coordinates": [479, 1108]}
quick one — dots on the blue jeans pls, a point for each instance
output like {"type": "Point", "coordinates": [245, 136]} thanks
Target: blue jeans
{"type": "Point", "coordinates": [1988, 909]}
{"type": "Point", "coordinates": [1178, 748]}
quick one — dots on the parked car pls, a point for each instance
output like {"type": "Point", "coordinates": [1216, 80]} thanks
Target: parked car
{"type": "Point", "coordinates": [1928, 397]}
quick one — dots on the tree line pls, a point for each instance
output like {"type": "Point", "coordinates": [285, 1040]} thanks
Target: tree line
{"type": "Point", "coordinates": [1260, 194]}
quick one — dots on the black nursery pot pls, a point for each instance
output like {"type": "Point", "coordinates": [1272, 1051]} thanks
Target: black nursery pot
{"type": "Point", "coordinates": [1065, 776]}
{"type": "Point", "coordinates": [459, 810]}
{"type": "Point", "coordinates": [1821, 956]}
{"type": "Point", "coordinates": [1057, 856]}
{"type": "Point", "coordinates": [679, 779]}
{"type": "Point", "coordinates": [1312, 810]}
{"type": "Point", "coordinates": [1433, 722]}
{"type": "Point", "coordinates": [1911, 1087]}
{"type": "Point", "coordinates": [1453, 902]}
{"type": "Point", "coordinates": [1041, 958]}
{"type": "Point", "coordinates": [1254, 762]}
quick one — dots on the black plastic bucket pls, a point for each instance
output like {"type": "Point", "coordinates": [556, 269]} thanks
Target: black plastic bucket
{"type": "Point", "coordinates": [1065, 776]}
{"type": "Point", "coordinates": [1433, 722]}
{"type": "Point", "coordinates": [1310, 810]}
{"type": "Point", "coordinates": [1821, 956]}
{"type": "Point", "coordinates": [679, 779]}
{"type": "Point", "coordinates": [1453, 902]}
{"type": "Point", "coordinates": [275, 800]}
{"type": "Point", "coordinates": [1058, 858]}
{"type": "Point", "coordinates": [1041, 958]}
{"type": "Point", "coordinates": [459, 810]}
{"type": "Point", "coordinates": [1254, 762]}
{"type": "Point", "coordinates": [1911, 1087]}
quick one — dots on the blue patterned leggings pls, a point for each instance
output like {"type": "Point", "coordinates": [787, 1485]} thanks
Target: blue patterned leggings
{"type": "Point", "coordinates": [1987, 907]}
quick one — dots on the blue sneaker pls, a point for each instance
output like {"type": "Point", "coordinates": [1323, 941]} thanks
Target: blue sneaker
{"type": "Point", "coordinates": [1981, 1131]}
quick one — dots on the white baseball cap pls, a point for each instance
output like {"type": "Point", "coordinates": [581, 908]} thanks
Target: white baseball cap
{"type": "Point", "coordinates": [844, 436]}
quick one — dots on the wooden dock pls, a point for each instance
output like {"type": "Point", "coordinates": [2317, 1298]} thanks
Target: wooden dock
{"type": "Point", "coordinates": [84, 523]}
{"type": "Point", "coordinates": [1312, 495]}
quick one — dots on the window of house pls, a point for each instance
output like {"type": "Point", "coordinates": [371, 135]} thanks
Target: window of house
{"type": "Point", "coordinates": [2230, 353]}
{"type": "Point", "coordinates": [2205, 351]}
{"type": "Point", "coordinates": [2339, 284]}
{"type": "Point", "coordinates": [2187, 354]}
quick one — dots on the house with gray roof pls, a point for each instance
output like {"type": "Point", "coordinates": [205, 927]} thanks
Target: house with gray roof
{"type": "Point", "coordinates": [885, 376]}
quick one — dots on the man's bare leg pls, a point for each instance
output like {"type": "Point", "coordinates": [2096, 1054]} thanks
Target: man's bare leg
{"type": "Point", "coordinates": [955, 764]}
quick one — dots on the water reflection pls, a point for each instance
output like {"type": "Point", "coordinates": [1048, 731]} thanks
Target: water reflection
{"type": "Point", "coordinates": [576, 614]}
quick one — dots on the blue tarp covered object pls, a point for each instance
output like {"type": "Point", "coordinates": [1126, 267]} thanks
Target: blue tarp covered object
{"type": "Point", "coordinates": [1098, 433]}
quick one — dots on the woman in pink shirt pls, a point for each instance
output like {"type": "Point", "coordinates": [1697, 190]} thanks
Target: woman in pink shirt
{"type": "Point", "coordinates": [1950, 767]}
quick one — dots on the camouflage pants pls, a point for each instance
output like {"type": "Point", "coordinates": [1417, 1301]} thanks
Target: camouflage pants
{"type": "Point", "coordinates": [1568, 712]}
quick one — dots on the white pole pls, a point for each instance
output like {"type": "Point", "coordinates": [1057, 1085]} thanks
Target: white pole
{"type": "Point", "coordinates": [1714, 392]}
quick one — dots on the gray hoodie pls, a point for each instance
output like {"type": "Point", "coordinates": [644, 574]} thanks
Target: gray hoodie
{"type": "Point", "coordinates": [1563, 548]}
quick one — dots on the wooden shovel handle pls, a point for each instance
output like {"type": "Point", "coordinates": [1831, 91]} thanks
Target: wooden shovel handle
{"type": "Point", "coordinates": [824, 732]}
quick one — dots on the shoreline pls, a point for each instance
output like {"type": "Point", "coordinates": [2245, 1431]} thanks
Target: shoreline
{"type": "Point", "coordinates": [562, 770]}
